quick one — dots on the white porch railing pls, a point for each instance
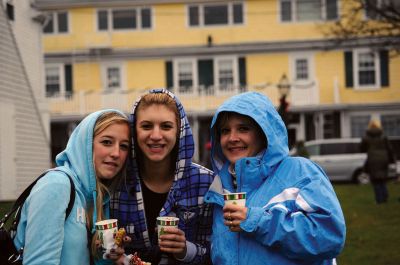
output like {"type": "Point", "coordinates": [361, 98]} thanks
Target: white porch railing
{"type": "Point", "coordinates": [196, 99]}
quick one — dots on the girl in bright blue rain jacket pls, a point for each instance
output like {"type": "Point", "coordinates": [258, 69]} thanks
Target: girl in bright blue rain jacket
{"type": "Point", "coordinates": [291, 216]}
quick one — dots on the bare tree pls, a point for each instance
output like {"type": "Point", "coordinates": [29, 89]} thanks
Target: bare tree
{"type": "Point", "coordinates": [375, 21]}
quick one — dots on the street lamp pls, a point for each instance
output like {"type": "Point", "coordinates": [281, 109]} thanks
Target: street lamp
{"type": "Point", "coordinates": [283, 89]}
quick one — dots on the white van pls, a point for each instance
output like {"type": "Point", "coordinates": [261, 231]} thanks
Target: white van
{"type": "Point", "coordinates": [341, 159]}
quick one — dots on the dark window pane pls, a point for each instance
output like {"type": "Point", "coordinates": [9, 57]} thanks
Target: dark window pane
{"type": "Point", "coordinates": [367, 78]}
{"type": "Point", "coordinates": [331, 9]}
{"type": "Point", "coordinates": [124, 19]}
{"type": "Point", "coordinates": [62, 22]}
{"type": "Point", "coordinates": [48, 27]}
{"type": "Point", "coordinates": [216, 15]}
{"type": "Point", "coordinates": [146, 18]}
{"type": "Point", "coordinates": [194, 16]}
{"type": "Point", "coordinates": [286, 11]}
{"type": "Point", "coordinates": [102, 20]}
{"type": "Point", "coordinates": [237, 13]}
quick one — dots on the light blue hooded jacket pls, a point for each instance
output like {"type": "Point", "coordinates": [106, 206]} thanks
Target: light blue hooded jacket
{"type": "Point", "coordinates": [293, 216]}
{"type": "Point", "coordinates": [47, 238]}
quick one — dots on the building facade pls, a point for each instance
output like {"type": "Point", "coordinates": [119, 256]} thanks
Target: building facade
{"type": "Point", "coordinates": [106, 53]}
{"type": "Point", "coordinates": [24, 119]}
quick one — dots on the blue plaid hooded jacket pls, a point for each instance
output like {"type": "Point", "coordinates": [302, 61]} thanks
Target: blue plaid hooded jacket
{"type": "Point", "coordinates": [185, 201]}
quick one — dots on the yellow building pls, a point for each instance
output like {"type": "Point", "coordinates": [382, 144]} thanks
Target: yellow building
{"type": "Point", "coordinates": [106, 53]}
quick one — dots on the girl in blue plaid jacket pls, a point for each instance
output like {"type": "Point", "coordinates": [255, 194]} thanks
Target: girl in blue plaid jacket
{"type": "Point", "coordinates": [162, 180]}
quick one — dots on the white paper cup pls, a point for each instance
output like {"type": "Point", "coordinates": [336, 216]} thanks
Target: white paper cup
{"type": "Point", "coordinates": [107, 229]}
{"type": "Point", "coordinates": [237, 198]}
{"type": "Point", "coordinates": [165, 221]}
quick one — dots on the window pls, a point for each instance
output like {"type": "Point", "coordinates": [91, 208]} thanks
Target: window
{"type": "Point", "coordinates": [366, 64]}
{"type": "Point", "coordinates": [308, 10]}
{"type": "Point", "coordinates": [206, 75]}
{"type": "Point", "coordinates": [215, 14]}
{"type": "Point", "coordinates": [112, 77]}
{"type": "Point", "coordinates": [53, 85]}
{"type": "Point", "coordinates": [391, 125]}
{"type": "Point", "coordinates": [301, 69]}
{"type": "Point", "coordinates": [367, 69]}
{"type": "Point", "coordinates": [56, 23]}
{"type": "Point", "coordinates": [58, 80]}
{"type": "Point", "coordinates": [359, 124]}
{"type": "Point", "coordinates": [124, 19]}
{"type": "Point", "coordinates": [185, 76]}
{"type": "Point", "coordinates": [225, 74]}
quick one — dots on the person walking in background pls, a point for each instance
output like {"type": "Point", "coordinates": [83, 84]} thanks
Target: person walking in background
{"type": "Point", "coordinates": [379, 156]}
{"type": "Point", "coordinates": [162, 180]}
{"type": "Point", "coordinates": [95, 160]}
{"type": "Point", "coordinates": [291, 214]}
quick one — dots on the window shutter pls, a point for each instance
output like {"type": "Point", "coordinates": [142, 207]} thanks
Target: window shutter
{"type": "Point", "coordinates": [205, 73]}
{"type": "Point", "coordinates": [242, 72]}
{"type": "Point", "coordinates": [384, 64]}
{"type": "Point", "coordinates": [68, 79]}
{"type": "Point", "coordinates": [169, 75]}
{"type": "Point", "coordinates": [348, 68]}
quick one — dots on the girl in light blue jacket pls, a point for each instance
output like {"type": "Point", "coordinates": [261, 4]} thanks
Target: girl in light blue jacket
{"type": "Point", "coordinates": [291, 215]}
{"type": "Point", "coordinates": [95, 159]}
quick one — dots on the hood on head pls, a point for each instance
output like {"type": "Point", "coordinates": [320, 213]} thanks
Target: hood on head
{"type": "Point", "coordinates": [258, 107]}
{"type": "Point", "coordinates": [77, 157]}
{"type": "Point", "coordinates": [186, 142]}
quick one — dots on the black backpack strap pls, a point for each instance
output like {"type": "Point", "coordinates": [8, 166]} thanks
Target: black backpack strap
{"type": "Point", "coordinates": [71, 197]}
{"type": "Point", "coordinates": [21, 199]}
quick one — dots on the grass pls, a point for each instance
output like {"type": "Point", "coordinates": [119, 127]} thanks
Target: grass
{"type": "Point", "coordinates": [373, 231]}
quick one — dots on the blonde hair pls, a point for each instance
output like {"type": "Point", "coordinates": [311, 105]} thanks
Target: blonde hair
{"type": "Point", "coordinates": [103, 122]}
{"type": "Point", "coordinates": [374, 124]}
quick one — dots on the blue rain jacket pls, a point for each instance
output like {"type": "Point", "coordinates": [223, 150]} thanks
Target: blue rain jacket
{"type": "Point", "coordinates": [293, 216]}
{"type": "Point", "coordinates": [48, 238]}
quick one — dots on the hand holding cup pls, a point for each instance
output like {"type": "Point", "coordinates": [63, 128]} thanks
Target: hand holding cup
{"type": "Point", "coordinates": [235, 210]}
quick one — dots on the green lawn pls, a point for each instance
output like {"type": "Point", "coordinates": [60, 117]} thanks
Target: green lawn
{"type": "Point", "coordinates": [373, 231]}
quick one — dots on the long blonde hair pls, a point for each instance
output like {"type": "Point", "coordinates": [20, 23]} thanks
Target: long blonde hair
{"type": "Point", "coordinates": [103, 122]}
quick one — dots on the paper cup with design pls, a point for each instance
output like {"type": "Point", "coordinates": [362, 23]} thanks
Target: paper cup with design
{"type": "Point", "coordinates": [106, 230]}
{"type": "Point", "coordinates": [166, 221]}
{"type": "Point", "coordinates": [237, 198]}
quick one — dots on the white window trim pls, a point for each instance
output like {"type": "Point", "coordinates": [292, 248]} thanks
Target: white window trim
{"type": "Point", "coordinates": [294, 13]}
{"type": "Point", "coordinates": [235, 69]}
{"type": "Point", "coordinates": [309, 56]}
{"type": "Point", "coordinates": [104, 78]}
{"type": "Point", "coordinates": [61, 75]}
{"type": "Point", "coordinates": [55, 23]}
{"type": "Point", "coordinates": [195, 78]}
{"type": "Point", "coordinates": [201, 14]}
{"type": "Point", "coordinates": [110, 23]}
{"type": "Point", "coordinates": [356, 78]}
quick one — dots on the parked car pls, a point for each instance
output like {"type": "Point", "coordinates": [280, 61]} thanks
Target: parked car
{"type": "Point", "coordinates": [342, 159]}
